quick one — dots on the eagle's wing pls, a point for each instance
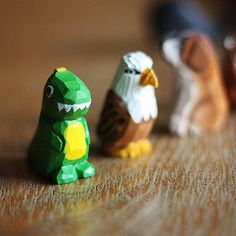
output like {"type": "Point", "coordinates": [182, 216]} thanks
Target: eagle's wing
{"type": "Point", "coordinates": [196, 52]}
{"type": "Point", "coordinates": [114, 119]}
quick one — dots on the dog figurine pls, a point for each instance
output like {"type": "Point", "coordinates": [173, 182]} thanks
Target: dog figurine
{"type": "Point", "coordinates": [201, 102]}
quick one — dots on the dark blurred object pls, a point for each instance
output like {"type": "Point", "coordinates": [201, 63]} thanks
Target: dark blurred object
{"type": "Point", "coordinates": [228, 17]}
{"type": "Point", "coordinates": [230, 67]}
{"type": "Point", "coordinates": [172, 18]}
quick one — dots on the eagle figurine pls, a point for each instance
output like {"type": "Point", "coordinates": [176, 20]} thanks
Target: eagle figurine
{"type": "Point", "coordinates": [130, 108]}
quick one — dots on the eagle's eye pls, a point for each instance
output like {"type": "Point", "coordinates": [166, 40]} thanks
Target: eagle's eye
{"type": "Point", "coordinates": [132, 72]}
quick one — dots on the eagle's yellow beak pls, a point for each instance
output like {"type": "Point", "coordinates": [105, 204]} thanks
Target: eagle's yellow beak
{"type": "Point", "coordinates": [148, 77]}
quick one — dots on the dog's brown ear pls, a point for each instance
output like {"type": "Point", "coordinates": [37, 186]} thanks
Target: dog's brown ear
{"type": "Point", "coordinates": [196, 53]}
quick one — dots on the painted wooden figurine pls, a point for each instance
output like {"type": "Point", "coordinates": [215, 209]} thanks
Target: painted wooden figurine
{"type": "Point", "coordinates": [60, 147]}
{"type": "Point", "coordinates": [201, 105]}
{"type": "Point", "coordinates": [130, 108]}
{"type": "Point", "coordinates": [230, 67]}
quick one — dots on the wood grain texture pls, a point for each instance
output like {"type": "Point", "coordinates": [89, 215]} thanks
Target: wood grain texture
{"type": "Point", "coordinates": [186, 187]}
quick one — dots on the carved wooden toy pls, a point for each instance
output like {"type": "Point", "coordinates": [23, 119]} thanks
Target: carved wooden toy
{"type": "Point", "coordinates": [60, 147]}
{"type": "Point", "coordinates": [130, 108]}
{"type": "Point", "coordinates": [230, 67]}
{"type": "Point", "coordinates": [201, 103]}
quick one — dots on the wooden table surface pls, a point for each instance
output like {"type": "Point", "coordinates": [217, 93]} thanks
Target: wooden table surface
{"type": "Point", "coordinates": [186, 187]}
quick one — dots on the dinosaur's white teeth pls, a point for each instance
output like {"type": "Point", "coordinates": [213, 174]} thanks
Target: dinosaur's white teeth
{"type": "Point", "coordinates": [82, 106]}
{"type": "Point", "coordinates": [87, 104]}
{"type": "Point", "coordinates": [61, 106]}
{"type": "Point", "coordinates": [68, 107]}
{"type": "Point", "coordinates": [75, 107]}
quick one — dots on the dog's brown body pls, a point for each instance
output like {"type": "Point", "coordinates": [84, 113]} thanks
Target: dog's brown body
{"type": "Point", "coordinates": [201, 105]}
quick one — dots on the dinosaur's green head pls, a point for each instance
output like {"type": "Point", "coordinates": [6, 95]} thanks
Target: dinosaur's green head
{"type": "Point", "coordinates": [65, 96]}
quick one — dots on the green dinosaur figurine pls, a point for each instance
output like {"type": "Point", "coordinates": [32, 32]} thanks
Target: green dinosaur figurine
{"type": "Point", "coordinates": [60, 147]}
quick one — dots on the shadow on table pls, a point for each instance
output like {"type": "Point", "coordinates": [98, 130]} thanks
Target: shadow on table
{"type": "Point", "coordinates": [96, 152]}
{"type": "Point", "coordinates": [161, 130]}
{"type": "Point", "coordinates": [18, 168]}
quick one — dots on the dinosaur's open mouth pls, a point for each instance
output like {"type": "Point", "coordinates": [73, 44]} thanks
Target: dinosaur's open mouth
{"type": "Point", "coordinates": [75, 107]}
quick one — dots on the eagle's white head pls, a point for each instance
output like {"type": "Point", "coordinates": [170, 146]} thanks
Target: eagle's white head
{"type": "Point", "coordinates": [134, 83]}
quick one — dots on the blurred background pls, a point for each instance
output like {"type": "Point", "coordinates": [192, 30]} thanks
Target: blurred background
{"type": "Point", "coordinates": [88, 37]}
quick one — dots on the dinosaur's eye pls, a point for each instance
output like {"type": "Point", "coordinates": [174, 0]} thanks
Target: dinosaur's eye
{"type": "Point", "coordinates": [49, 90]}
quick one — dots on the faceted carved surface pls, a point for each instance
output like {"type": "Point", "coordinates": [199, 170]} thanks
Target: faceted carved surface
{"type": "Point", "coordinates": [130, 108]}
{"type": "Point", "coordinates": [62, 138]}
{"type": "Point", "coordinates": [201, 103]}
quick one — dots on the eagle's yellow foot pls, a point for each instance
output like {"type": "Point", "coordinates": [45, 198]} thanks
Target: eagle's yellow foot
{"type": "Point", "coordinates": [134, 149]}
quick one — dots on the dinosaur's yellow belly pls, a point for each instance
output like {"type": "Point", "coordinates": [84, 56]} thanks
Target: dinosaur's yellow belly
{"type": "Point", "coordinates": [75, 146]}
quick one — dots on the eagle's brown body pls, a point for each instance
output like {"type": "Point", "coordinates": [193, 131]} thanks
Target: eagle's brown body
{"type": "Point", "coordinates": [116, 129]}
